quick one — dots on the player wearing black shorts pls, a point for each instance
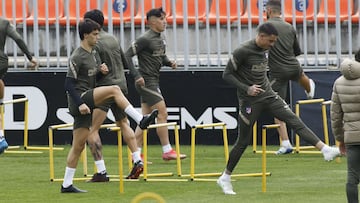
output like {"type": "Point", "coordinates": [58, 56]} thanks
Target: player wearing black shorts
{"type": "Point", "coordinates": [113, 56]}
{"type": "Point", "coordinates": [246, 70]}
{"type": "Point", "coordinates": [284, 65]}
{"type": "Point", "coordinates": [150, 49]}
{"type": "Point", "coordinates": [84, 96]}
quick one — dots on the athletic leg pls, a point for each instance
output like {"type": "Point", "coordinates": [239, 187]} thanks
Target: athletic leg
{"type": "Point", "coordinates": [248, 113]}
{"type": "Point", "coordinates": [276, 107]}
{"type": "Point", "coordinates": [104, 93]}
{"type": "Point", "coordinates": [95, 145]}
{"type": "Point", "coordinates": [308, 84]}
{"type": "Point", "coordinates": [280, 86]}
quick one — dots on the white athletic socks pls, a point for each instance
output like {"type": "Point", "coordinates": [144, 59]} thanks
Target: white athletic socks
{"type": "Point", "coordinates": [225, 176]}
{"type": "Point", "coordinates": [286, 143]}
{"type": "Point", "coordinates": [131, 111]}
{"type": "Point", "coordinates": [100, 165]}
{"type": "Point", "coordinates": [136, 156]}
{"type": "Point", "coordinates": [2, 137]}
{"type": "Point", "coordinates": [68, 177]}
{"type": "Point", "coordinates": [325, 149]}
{"type": "Point", "coordinates": [166, 148]}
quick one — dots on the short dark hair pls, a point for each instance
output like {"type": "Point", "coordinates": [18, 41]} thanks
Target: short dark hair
{"type": "Point", "coordinates": [95, 15]}
{"type": "Point", "coordinates": [267, 28]}
{"type": "Point", "coordinates": [157, 12]}
{"type": "Point", "coordinates": [274, 4]}
{"type": "Point", "coordinates": [357, 56]}
{"type": "Point", "coordinates": [86, 26]}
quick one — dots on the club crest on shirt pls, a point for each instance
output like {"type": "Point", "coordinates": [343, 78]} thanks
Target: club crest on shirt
{"type": "Point", "coordinates": [248, 110]}
{"type": "Point", "coordinates": [266, 54]}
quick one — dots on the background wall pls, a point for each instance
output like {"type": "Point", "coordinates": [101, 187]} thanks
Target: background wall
{"type": "Point", "coordinates": [192, 97]}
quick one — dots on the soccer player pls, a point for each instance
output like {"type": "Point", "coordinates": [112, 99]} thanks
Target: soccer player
{"type": "Point", "coordinates": [83, 96]}
{"type": "Point", "coordinates": [345, 118]}
{"type": "Point", "coordinates": [246, 70]}
{"type": "Point", "coordinates": [284, 66]}
{"type": "Point", "coordinates": [150, 50]}
{"type": "Point", "coordinates": [8, 30]}
{"type": "Point", "coordinates": [113, 56]}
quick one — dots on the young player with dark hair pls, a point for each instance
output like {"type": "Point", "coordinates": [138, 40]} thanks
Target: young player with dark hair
{"type": "Point", "coordinates": [84, 68]}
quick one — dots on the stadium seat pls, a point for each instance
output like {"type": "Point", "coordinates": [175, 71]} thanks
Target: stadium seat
{"type": "Point", "coordinates": [115, 11]}
{"type": "Point", "coordinates": [223, 13]}
{"type": "Point", "coordinates": [148, 4]}
{"type": "Point", "coordinates": [191, 12]}
{"type": "Point", "coordinates": [331, 10]}
{"type": "Point", "coordinates": [356, 16]}
{"type": "Point", "coordinates": [251, 12]}
{"type": "Point", "coordinates": [18, 10]}
{"type": "Point", "coordinates": [299, 8]}
{"type": "Point", "coordinates": [41, 12]}
{"type": "Point", "coordinates": [82, 5]}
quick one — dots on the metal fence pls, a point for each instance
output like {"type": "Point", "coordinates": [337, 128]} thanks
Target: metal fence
{"type": "Point", "coordinates": [201, 34]}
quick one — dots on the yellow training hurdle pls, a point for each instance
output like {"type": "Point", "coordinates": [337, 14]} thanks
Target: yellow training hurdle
{"type": "Point", "coordinates": [297, 147]}
{"type": "Point", "coordinates": [263, 155]}
{"type": "Point", "coordinates": [196, 176]}
{"type": "Point", "coordinates": [324, 119]}
{"type": "Point", "coordinates": [146, 175]}
{"type": "Point", "coordinates": [112, 127]}
{"type": "Point", "coordinates": [26, 124]}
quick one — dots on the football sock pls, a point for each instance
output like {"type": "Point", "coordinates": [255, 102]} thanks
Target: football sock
{"type": "Point", "coordinates": [286, 143]}
{"type": "Point", "coordinates": [225, 176]}
{"type": "Point", "coordinates": [100, 165]}
{"type": "Point", "coordinates": [2, 137]}
{"type": "Point", "coordinates": [166, 148]}
{"type": "Point", "coordinates": [136, 156]}
{"type": "Point", "coordinates": [68, 177]}
{"type": "Point", "coordinates": [325, 148]}
{"type": "Point", "coordinates": [131, 111]}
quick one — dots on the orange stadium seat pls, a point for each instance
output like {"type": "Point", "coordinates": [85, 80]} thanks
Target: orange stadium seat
{"type": "Point", "coordinates": [331, 11]}
{"type": "Point", "coordinates": [83, 6]}
{"type": "Point", "coordinates": [115, 11]}
{"type": "Point", "coordinates": [41, 12]}
{"type": "Point", "coordinates": [299, 10]}
{"type": "Point", "coordinates": [356, 16]}
{"type": "Point", "coordinates": [191, 12]}
{"type": "Point", "coordinates": [252, 12]}
{"type": "Point", "coordinates": [148, 4]}
{"type": "Point", "coordinates": [18, 10]}
{"type": "Point", "coordinates": [223, 13]}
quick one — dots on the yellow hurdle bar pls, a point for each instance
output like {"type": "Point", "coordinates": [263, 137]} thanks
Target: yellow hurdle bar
{"type": "Point", "coordinates": [26, 123]}
{"type": "Point", "coordinates": [145, 151]}
{"type": "Point", "coordinates": [263, 160]}
{"type": "Point", "coordinates": [255, 141]}
{"type": "Point", "coordinates": [111, 127]}
{"type": "Point", "coordinates": [192, 159]}
{"type": "Point", "coordinates": [120, 160]}
{"type": "Point", "coordinates": [196, 176]}
{"type": "Point", "coordinates": [324, 118]}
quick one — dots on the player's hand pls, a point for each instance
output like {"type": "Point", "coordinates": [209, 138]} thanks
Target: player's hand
{"type": "Point", "coordinates": [34, 64]}
{"type": "Point", "coordinates": [140, 82]}
{"type": "Point", "coordinates": [255, 90]}
{"type": "Point", "coordinates": [84, 109]}
{"type": "Point", "coordinates": [104, 69]}
{"type": "Point", "coordinates": [173, 64]}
